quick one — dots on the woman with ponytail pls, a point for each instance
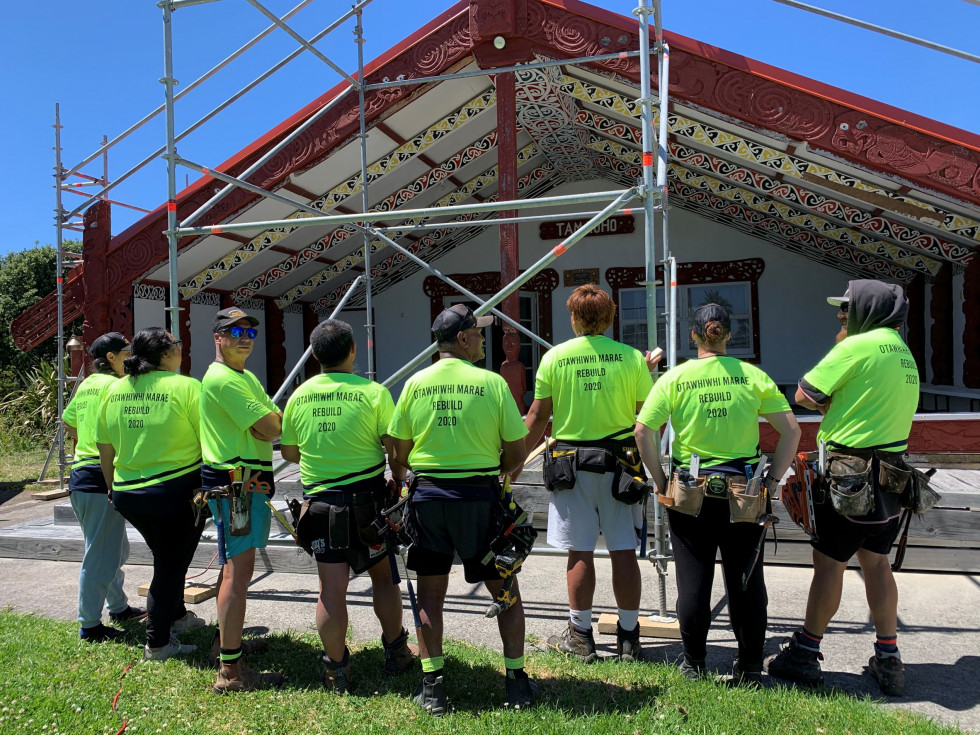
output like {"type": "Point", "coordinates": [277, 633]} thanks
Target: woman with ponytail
{"type": "Point", "coordinates": [714, 404]}
{"type": "Point", "coordinates": [149, 447]}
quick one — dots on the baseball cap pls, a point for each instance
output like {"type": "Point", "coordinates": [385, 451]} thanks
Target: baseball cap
{"type": "Point", "coordinates": [106, 343]}
{"type": "Point", "coordinates": [457, 318]}
{"type": "Point", "coordinates": [711, 313]}
{"type": "Point", "coordinates": [838, 300]}
{"type": "Point", "coordinates": [227, 317]}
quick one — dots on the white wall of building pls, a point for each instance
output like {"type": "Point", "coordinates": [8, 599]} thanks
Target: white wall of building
{"type": "Point", "coordinates": [202, 338]}
{"type": "Point", "coordinates": [148, 313]}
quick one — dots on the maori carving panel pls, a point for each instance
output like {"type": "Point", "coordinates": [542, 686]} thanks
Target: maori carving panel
{"type": "Point", "coordinates": [95, 243]}
{"type": "Point", "coordinates": [971, 329]}
{"type": "Point", "coordinates": [941, 331]}
{"type": "Point", "coordinates": [146, 291]}
{"type": "Point", "coordinates": [916, 323]}
{"type": "Point", "coordinates": [210, 298]}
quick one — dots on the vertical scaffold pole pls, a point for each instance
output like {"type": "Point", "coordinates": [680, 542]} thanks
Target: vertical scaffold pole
{"type": "Point", "coordinates": [365, 201]}
{"type": "Point", "coordinates": [171, 155]}
{"type": "Point", "coordinates": [59, 213]}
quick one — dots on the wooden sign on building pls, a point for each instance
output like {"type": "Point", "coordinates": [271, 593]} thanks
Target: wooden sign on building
{"type": "Point", "coordinates": [620, 224]}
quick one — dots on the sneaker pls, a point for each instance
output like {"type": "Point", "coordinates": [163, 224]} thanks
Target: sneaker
{"type": "Point", "coordinates": [173, 648]}
{"type": "Point", "coordinates": [628, 644]}
{"type": "Point", "coordinates": [521, 689]}
{"type": "Point", "coordinates": [746, 675]}
{"type": "Point", "coordinates": [400, 655]}
{"type": "Point", "coordinates": [336, 675]}
{"type": "Point", "coordinates": [576, 643]}
{"type": "Point", "coordinates": [237, 677]}
{"type": "Point", "coordinates": [889, 672]}
{"type": "Point", "coordinates": [431, 695]}
{"type": "Point", "coordinates": [798, 664]}
{"type": "Point", "coordinates": [249, 646]}
{"type": "Point", "coordinates": [130, 613]}
{"type": "Point", "coordinates": [188, 622]}
{"type": "Point", "coordinates": [692, 668]}
{"type": "Point", "coordinates": [99, 633]}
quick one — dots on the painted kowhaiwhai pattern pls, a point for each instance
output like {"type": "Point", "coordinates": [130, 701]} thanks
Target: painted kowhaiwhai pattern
{"type": "Point", "coordinates": [458, 196]}
{"type": "Point", "coordinates": [403, 196]}
{"type": "Point", "coordinates": [345, 190]}
{"type": "Point", "coordinates": [775, 160]}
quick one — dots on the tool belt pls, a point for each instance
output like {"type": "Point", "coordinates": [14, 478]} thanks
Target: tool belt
{"type": "Point", "coordinates": [686, 494]}
{"type": "Point", "coordinates": [351, 515]}
{"type": "Point", "coordinates": [597, 456]}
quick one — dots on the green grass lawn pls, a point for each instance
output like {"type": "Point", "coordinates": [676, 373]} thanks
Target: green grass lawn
{"type": "Point", "coordinates": [50, 682]}
{"type": "Point", "coordinates": [22, 468]}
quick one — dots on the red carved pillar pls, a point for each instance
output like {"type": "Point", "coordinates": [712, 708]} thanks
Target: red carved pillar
{"type": "Point", "coordinates": [275, 345]}
{"type": "Point", "coordinates": [95, 244]}
{"type": "Point", "coordinates": [916, 293]}
{"type": "Point", "coordinates": [941, 334]}
{"type": "Point", "coordinates": [185, 333]}
{"type": "Point", "coordinates": [310, 320]}
{"type": "Point", "coordinates": [121, 310]}
{"type": "Point", "coordinates": [971, 329]}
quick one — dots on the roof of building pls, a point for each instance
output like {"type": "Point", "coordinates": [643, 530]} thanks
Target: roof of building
{"type": "Point", "coordinates": [864, 187]}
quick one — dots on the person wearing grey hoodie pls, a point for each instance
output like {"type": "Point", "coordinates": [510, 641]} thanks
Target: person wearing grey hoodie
{"type": "Point", "coordinates": [867, 388]}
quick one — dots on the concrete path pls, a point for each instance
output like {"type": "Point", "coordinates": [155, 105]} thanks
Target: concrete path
{"type": "Point", "coordinates": [939, 627]}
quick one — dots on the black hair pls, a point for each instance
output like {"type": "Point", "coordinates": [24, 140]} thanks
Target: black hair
{"type": "Point", "coordinates": [331, 341]}
{"type": "Point", "coordinates": [102, 365]}
{"type": "Point", "coordinates": [147, 350]}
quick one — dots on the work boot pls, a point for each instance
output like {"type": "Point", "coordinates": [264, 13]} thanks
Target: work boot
{"type": "Point", "coordinates": [576, 643]}
{"type": "Point", "coordinates": [99, 633]}
{"type": "Point", "coordinates": [521, 689]}
{"type": "Point", "coordinates": [691, 668]}
{"type": "Point", "coordinates": [130, 613]}
{"type": "Point", "coordinates": [249, 646]}
{"type": "Point", "coordinates": [746, 675]}
{"type": "Point", "coordinates": [400, 655]}
{"type": "Point", "coordinates": [336, 675]}
{"type": "Point", "coordinates": [237, 677]}
{"type": "Point", "coordinates": [628, 644]}
{"type": "Point", "coordinates": [431, 695]}
{"type": "Point", "coordinates": [798, 664]}
{"type": "Point", "coordinates": [889, 672]}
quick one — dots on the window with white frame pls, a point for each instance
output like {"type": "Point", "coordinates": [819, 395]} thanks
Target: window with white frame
{"type": "Point", "coordinates": [736, 297]}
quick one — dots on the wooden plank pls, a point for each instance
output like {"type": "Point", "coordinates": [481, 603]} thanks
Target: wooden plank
{"type": "Point", "coordinates": [54, 494]}
{"type": "Point", "coordinates": [648, 628]}
{"type": "Point", "coordinates": [193, 593]}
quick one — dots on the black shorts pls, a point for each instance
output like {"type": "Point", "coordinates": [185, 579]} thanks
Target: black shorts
{"type": "Point", "coordinates": [840, 538]}
{"type": "Point", "coordinates": [317, 529]}
{"type": "Point", "coordinates": [444, 528]}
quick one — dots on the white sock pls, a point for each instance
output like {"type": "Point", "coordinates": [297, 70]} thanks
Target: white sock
{"type": "Point", "coordinates": [628, 619]}
{"type": "Point", "coordinates": [581, 619]}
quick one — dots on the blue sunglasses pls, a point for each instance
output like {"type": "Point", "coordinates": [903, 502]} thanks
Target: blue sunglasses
{"type": "Point", "coordinates": [239, 332]}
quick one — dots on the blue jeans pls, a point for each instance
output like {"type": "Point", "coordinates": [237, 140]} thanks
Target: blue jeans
{"type": "Point", "coordinates": [100, 581]}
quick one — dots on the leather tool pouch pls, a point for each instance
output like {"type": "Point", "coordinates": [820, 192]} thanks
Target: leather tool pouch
{"type": "Point", "coordinates": [744, 508]}
{"type": "Point", "coordinates": [364, 516]}
{"type": "Point", "coordinates": [339, 527]}
{"type": "Point", "coordinates": [851, 493]}
{"type": "Point", "coordinates": [684, 496]}
{"type": "Point", "coordinates": [893, 474]}
{"type": "Point", "coordinates": [559, 469]}
{"type": "Point", "coordinates": [919, 496]}
{"type": "Point", "coordinates": [629, 485]}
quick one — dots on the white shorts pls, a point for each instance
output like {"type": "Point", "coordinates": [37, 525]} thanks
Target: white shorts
{"type": "Point", "coordinates": [576, 516]}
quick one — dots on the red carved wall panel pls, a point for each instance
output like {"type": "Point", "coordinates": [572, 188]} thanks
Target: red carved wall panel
{"type": "Point", "coordinates": [275, 345]}
{"type": "Point", "coordinates": [185, 332]}
{"type": "Point", "coordinates": [916, 292]}
{"type": "Point", "coordinates": [95, 243]}
{"type": "Point", "coordinates": [310, 320]}
{"type": "Point", "coordinates": [971, 329]}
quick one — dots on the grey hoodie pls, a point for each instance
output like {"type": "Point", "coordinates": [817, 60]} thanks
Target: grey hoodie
{"type": "Point", "coordinates": [875, 305]}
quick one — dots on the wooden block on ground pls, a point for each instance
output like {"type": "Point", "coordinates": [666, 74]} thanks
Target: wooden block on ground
{"type": "Point", "coordinates": [50, 494]}
{"type": "Point", "coordinates": [193, 593]}
{"type": "Point", "coordinates": [648, 628]}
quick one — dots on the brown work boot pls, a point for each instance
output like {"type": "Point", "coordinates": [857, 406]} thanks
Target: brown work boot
{"type": "Point", "coordinates": [400, 655]}
{"type": "Point", "coordinates": [336, 676]}
{"type": "Point", "coordinates": [249, 646]}
{"type": "Point", "coordinates": [889, 672]}
{"type": "Point", "coordinates": [237, 677]}
{"type": "Point", "coordinates": [575, 642]}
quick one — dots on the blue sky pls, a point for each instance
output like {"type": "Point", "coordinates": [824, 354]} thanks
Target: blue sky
{"type": "Point", "coordinates": [102, 61]}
